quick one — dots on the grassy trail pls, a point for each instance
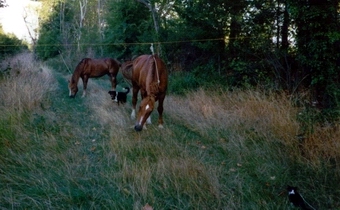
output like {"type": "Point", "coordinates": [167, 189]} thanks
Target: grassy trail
{"type": "Point", "coordinates": [218, 150]}
{"type": "Point", "coordinates": [63, 162]}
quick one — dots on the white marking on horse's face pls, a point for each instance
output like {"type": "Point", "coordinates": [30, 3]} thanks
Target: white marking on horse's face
{"type": "Point", "coordinates": [141, 120]}
{"type": "Point", "coordinates": [292, 192]}
{"type": "Point", "coordinates": [147, 107]}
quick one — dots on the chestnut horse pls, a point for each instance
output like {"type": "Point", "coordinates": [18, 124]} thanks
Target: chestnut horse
{"type": "Point", "coordinates": [149, 75]}
{"type": "Point", "coordinates": [91, 68]}
{"type": "Point", "coordinates": [126, 69]}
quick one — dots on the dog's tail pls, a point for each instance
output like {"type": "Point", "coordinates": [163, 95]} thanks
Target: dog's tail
{"type": "Point", "coordinates": [127, 90]}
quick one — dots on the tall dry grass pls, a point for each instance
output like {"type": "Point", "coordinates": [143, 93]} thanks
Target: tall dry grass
{"type": "Point", "coordinates": [152, 162]}
{"type": "Point", "coordinates": [26, 83]}
{"type": "Point", "coordinates": [271, 116]}
{"type": "Point", "coordinates": [255, 133]}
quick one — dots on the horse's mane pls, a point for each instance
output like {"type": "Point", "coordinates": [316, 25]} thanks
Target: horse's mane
{"type": "Point", "coordinates": [78, 70]}
{"type": "Point", "coordinates": [115, 61]}
{"type": "Point", "coordinates": [154, 85]}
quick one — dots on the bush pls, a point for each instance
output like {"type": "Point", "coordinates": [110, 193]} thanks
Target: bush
{"type": "Point", "coordinates": [10, 45]}
{"type": "Point", "coordinates": [182, 82]}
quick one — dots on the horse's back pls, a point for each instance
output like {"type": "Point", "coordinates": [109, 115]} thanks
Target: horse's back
{"type": "Point", "coordinates": [112, 63]}
{"type": "Point", "coordinates": [99, 67]}
{"type": "Point", "coordinates": [142, 72]}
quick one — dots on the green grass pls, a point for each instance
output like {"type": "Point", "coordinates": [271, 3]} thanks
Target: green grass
{"type": "Point", "coordinates": [220, 150]}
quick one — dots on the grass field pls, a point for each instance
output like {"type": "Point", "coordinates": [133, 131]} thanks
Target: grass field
{"type": "Point", "coordinates": [218, 150]}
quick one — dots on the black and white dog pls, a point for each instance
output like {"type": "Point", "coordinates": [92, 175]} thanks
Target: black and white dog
{"type": "Point", "coordinates": [119, 97]}
{"type": "Point", "coordinates": [297, 200]}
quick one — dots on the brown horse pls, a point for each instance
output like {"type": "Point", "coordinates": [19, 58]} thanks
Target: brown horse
{"type": "Point", "coordinates": [149, 75]}
{"type": "Point", "coordinates": [91, 68]}
{"type": "Point", "coordinates": [127, 70]}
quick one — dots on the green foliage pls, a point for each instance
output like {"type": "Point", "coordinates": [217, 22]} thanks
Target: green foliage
{"type": "Point", "coordinates": [129, 26]}
{"type": "Point", "coordinates": [200, 77]}
{"type": "Point", "coordinates": [49, 42]}
{"type": "Point", "coordinates": [200, 35]}
{"type": "Point", "coordinates": [10, 44]}
{"type": "Point", "coordinates": [182, 82]}
{"type": "Point", "coordinates": [318, 45]}
{"type": "Point", "coordinates": [241, 39]}
{"type": "Point", "coordinates": [56, 33]}
{"type": "Point", "coordinates": [47, 45]}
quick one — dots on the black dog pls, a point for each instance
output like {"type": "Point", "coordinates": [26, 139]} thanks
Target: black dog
{"type": "Point", "coordinates": [121, 96]}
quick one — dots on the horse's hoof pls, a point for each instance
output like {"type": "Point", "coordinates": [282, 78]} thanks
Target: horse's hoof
{"type": "Point", "coordinates": [160, 126]}
{"type": "Point", "coordinates": [138, 128]}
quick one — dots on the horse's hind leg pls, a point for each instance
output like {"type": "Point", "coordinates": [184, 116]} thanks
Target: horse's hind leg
{"type": "Point", "coordinates": [160, 111]}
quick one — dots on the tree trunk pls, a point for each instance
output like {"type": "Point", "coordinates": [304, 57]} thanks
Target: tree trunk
{"type": "Point", "coordinates": [155, 19]}
{"type": "Point", "coordinates": [284, 30]}
{"type": "Point", "coordinates": [100, 30]}
{"type": "Point", "coordinates": [82, 7]}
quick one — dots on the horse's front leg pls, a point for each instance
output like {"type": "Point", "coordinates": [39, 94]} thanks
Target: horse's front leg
{"type": "Point", "coordinates": [113, 82]}
{"type": "Point", "coordinates": [144, 94]}
{"type": "Point", "coordinates": [85, 79]}
{"type": "Point", "coordinates": [160, 110]}
{"type": "Point", "coordinates": [135, 90]}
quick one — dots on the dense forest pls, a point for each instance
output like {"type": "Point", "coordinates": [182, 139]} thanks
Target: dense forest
{"type": "Point", "coordinates": [277, 44]}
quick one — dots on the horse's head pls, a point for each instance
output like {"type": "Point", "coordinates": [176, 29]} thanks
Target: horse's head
{"type": "Point", "coordinates": [73, 88]}
{"type": "Point", "coordinates": [146, 107]}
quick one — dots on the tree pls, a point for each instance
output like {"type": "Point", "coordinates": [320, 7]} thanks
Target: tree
{"type": "Point", "coordinates": [318, 36]}
{"type": "Point", "coordinates": [53, 30]}
{"type": "Point", "coordinates": [201, 26]}
{"type": "Point", "coordinates": [127, 29]}
{"type": "Point", "coordinates": [9, 44]}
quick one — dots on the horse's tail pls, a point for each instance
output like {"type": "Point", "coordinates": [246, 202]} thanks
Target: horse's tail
{"type": "Point", "coordinates": [126, 70]}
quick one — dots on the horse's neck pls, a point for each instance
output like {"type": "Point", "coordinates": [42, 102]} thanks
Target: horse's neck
{"type": "Point", "coordinates": [75, 76]}
{"type": "Point", "coordinates": [154, 74]}
{"type": "Point", "coordinates": [153, 89]}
